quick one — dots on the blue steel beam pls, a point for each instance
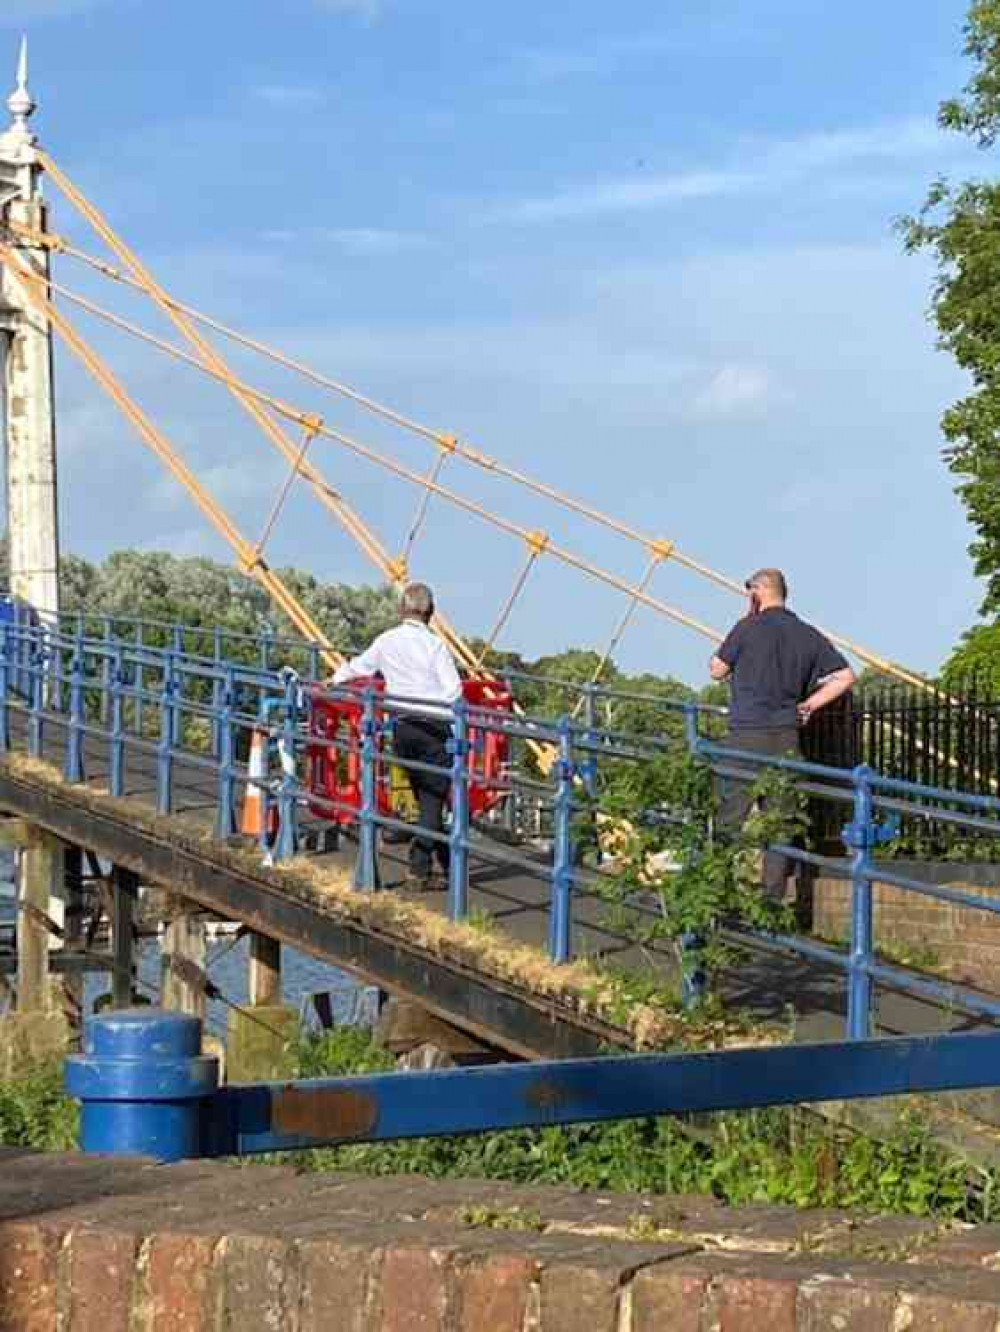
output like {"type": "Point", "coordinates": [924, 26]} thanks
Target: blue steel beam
{"type": "Point", "coordinates": [268, 1117]}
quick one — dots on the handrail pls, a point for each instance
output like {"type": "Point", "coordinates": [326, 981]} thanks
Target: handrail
{"type": "Point", "coordinates": [145, 697]}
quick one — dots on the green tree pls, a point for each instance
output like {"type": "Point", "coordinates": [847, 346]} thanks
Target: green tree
{"type": "Point", "coordinates": [960, 226]}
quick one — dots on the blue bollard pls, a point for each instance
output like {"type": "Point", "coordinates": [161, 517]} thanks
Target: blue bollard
{"type": "Point", "coordinates": [142, 1082]}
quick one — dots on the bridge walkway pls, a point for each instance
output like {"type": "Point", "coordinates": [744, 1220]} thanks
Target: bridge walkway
{"type": "Point", "coordinates": [802, 997]}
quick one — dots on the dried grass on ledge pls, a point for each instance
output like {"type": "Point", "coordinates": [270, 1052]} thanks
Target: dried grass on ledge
{"type": "Point", "coordinates": [577, 988]}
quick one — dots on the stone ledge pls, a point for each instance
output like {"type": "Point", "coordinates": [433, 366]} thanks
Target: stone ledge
{"type": "Point", "coordinates": [90, 1243]}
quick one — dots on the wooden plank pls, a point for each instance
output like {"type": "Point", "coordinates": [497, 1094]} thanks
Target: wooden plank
{"type": "Point", "coordinates": [265, 970]}
{"type": "Point", "coordinates": [184, 952]}
{"type": "Point", "coordinates": [39, 877]}
{"type": "Point", "coordinates": [124, 892]}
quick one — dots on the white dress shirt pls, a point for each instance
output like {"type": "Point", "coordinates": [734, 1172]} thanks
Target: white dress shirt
{"type": "Point", "coordinates": [414, 663]}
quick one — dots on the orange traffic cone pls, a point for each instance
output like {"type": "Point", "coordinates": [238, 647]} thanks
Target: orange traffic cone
{"type": "Point", "coordinates": [252, 821]}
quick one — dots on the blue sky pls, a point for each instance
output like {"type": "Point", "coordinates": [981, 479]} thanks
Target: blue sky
{"type": "Point", "coordinates": [643, 251]}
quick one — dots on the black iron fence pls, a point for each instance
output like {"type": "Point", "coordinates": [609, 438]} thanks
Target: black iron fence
{"type": "Point", "coordinates": [947, 739]}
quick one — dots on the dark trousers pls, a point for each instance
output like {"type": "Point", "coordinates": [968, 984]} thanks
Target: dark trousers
{"type": "Point", "coordinates": [736, 798]}
{"type": "Point", "coordinates": [425, 740]}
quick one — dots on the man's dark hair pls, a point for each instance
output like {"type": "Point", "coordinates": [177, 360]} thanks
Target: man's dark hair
{"type": "Point", "coordinates": [773, 579]}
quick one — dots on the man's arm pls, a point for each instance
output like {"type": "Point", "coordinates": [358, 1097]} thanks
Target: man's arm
{"type": "Point", "coordinates": [832, 687]}
{"type": "Point", "coordinates": [357, 668]}
{"type": "Point", "coordinates": [720, 666]}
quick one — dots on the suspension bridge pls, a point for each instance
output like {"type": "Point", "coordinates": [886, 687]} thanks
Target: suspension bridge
{"type": "Point", "coordinates": [225, 771]}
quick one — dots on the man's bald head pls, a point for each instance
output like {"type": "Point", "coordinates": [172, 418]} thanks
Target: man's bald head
{"type": "Point", "coordinates": [770, 586]}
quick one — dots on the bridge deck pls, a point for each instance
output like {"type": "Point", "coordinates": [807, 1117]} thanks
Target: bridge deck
{"type": "Point", "coordinates": [505, 994]}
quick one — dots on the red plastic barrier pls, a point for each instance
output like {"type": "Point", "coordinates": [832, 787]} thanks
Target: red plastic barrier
{"type": "Point", "coordinates": [335, 774]}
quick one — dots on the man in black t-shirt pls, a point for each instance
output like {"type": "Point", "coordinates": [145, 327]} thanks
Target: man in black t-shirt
{"type": "Point", "coordinates": [781, 671]}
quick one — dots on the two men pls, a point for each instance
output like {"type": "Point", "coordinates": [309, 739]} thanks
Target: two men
{"type": "Point", "coordinates": [416, 665]}
{"type": "Point", "coordinates": [781, 672]}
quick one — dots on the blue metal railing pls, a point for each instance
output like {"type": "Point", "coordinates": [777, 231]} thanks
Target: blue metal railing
{"type": "Point", "coordinates": [871, 795]}
{"type": "Point", "coordinates": [187, 718]}
{"type": "Point", "coordinates": [146, 1089]}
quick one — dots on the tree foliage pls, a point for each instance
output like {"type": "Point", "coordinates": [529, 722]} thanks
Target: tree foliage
{"type": "Point", "coordinates": [960, 226]}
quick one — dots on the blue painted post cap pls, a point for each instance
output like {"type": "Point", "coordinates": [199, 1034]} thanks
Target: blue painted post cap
{"type": "Point", "coordinates": [143, 1033]}
{"type": "Point", "coordinates": [142, 1081]}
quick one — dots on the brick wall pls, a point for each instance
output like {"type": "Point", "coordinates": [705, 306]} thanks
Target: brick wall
{"type": "Point", "coordinates": [95, 1245]}
{"type": "Point", "coordinates": [965, 941]}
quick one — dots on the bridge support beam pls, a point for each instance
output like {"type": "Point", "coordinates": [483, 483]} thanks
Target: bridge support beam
{"type": "Point", "coordinates": [183, 968]}
{"type": "Point", "coordinates": [261, 1039]}
{"type": "Point", "coordinates": [265, 971]}
{"type": "Point", "coordinates": [124, 894]}
{"type": "Point", "coordinates": [40, 875]}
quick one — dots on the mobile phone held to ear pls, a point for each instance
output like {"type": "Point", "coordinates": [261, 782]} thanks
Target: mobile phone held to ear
{"type": "Point", "coordinates": [754, 604]}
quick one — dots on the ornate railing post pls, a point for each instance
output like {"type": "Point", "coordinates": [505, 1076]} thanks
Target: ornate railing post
{"type": "Point", "coordinates": [225, 819]}
{"type": "Point", "coordinates": [218, 707]}
{"type": "Point", "coordinates": [37, 665]}
{"type": "Point", "coordinates": [7, 633]}
{"type": "Point", "coordinates": [107, 671]}
{"type": "Point", "coordinates": [165, 749]}
{"type": "Point", "coordinates": [73, 769]}
{"type": "Point", "coordinates": [140, 678]}
{"type": "Point", "coordinates": [366, 872]}
{"type": "Point", "coordinates": [458, 871]}
{"type": "Point", "coordinates": [860, 837]}
{"type": "Point", "coordinates": [561, 910]}
{"type": "Point", "coordinates": [117, 775]}
{"type": "Point", "coordinates": [588, 765]}
{"type": "Point", "coordinates": [287, 841]}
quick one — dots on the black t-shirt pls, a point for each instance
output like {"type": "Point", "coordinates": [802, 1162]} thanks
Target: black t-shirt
{"type": "Point", "coordinates": [776, 660]}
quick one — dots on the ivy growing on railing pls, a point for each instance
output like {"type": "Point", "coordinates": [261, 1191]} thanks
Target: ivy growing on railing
{"type": "Point", "coordinates": [669, 880]}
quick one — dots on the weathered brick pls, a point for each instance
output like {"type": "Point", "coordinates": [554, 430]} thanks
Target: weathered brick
{"type": "Point", "coordinates": [28, 1278]}
{"type": "Point", "coordinates": [413, 1289]}
{"type": "Point", "coordinates": [493, 1291]}
{"type": "Point", "coordinates": [334, 1276]}
{"type": "Point", "coordinates": [750, 1302]}
{"type": "Point", "coordinates": [976, 1246]}
{"type": "Point", "coordinates": [102, 1274]}
{"type": "Point", "coordinates": [670, 1296]}
{"type": "Point", "coordinates": [845, 1306]}
{"type": "Point", "coordinates": [955, 1300]}
{"type": "Point", "coordinates": [179, 1285]}
{"type": "Point", "coordinates": [259, 1282]}
{"type": "Point", "coordinates": [578, 1296]}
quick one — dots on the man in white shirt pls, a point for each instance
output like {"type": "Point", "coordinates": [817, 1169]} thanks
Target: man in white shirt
{"type": "Point", "coordinates": [417, 665]}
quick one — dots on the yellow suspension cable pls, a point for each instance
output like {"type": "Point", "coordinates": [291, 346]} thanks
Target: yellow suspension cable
{"type": "Point", "coordinates": [425, 502]}
{"type": "Point", "coordinates": [460, 501]}
{"type": "Point", "coordinates": [279, 503]}
{"type": "Point", "coordinates": [452, 444]}
{"type": "Point", "coordinates": [209, 360]}
{"type": "Point", "coordinates": [619, 630]}
{"type": "Point", "coordinates": [34, 287]}
{"type": "Point", "coordinates": [506, 610]}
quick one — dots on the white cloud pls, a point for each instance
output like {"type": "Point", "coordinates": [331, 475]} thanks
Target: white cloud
{"type": "Point", "coordinates": [631, 193]}
{"type": "Point", "coordinates": [737, 390]}
{"type": "Point", "coordinates": [360, 242]}
{"type": "Point", "coordinates": [753, 167]}
{"type": "Point", "coordinates": [369, 10]}
{"type": "Point", "coordinates": [553, 64]}
{"type": "Point", "coordinates": [374, 240]}
{"type": "Point", "coordinates": [290, 96]}
{"type": "Point", "coordinates": [14, 14]}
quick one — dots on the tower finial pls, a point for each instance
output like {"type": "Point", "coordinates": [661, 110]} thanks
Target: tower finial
{"type": "Point", "coordinates": [20, 103]}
